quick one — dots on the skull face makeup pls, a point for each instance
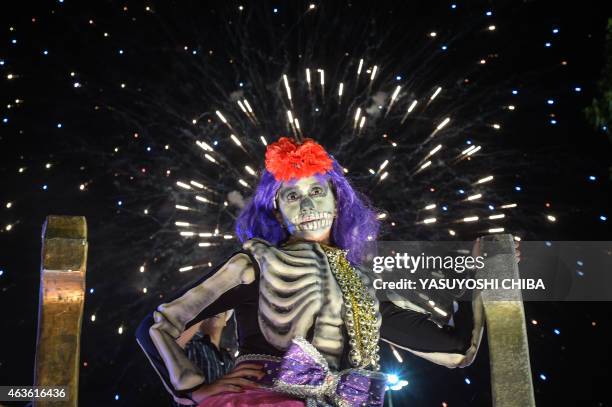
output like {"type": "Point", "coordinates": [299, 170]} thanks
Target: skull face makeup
{"type": "Point", "coordinates": [307, 208]}
{"type": "Point", "coordinates": [289, 163]}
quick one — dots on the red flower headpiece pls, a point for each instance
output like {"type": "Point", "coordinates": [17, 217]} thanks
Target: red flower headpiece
{"type": "Point", "coordinates": [287, 160]}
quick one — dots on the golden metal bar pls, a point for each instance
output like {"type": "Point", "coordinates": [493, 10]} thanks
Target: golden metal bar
{"type": "Point", "coordinates": [511, 380]}
{"type": "Point", "coordinates": [60, 313]}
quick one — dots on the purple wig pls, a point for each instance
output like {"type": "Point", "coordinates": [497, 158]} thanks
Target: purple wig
{"type": "Point", "coordinates": [354, 225]}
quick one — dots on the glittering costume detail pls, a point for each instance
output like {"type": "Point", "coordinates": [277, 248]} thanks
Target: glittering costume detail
{"type": "Point", "coordinates": [304, 373]}
{"type": "Point", "coordinates": [360, 311]}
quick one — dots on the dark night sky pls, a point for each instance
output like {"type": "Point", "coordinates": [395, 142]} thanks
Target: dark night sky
{"type": "Point", "coordinates": [168, 84]}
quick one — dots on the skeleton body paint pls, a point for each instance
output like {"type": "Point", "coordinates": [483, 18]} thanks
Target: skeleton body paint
{"type": "Point", "coordinates": [297, 292]}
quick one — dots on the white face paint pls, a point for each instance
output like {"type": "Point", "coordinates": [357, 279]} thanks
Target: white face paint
{"type": "Point", "coordinates": [307, 208]}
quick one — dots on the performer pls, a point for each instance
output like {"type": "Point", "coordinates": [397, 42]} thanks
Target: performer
{"type": "Point", "coordinates": [309, 323]}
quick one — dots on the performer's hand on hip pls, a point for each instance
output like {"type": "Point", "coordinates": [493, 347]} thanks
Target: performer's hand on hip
{"type": "Point", "coordinates": [234, 382]}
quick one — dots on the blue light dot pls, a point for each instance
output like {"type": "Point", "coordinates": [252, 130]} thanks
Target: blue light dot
{"type": "Point", "coordinates": [580, 263]}
{"type": "Point", "coordinates": [461, 191]}
{"type": "Point", "coordinates": [491, 207]}
{"type": "Point", "coordinates": [553, 121]}
{"type": "Point", "coordinates": [592, 178]}
{"type": "Point", "coordinates": [468, 142]}
{"type": "Point", "coordinates": [215, 142]}
{"type": "Point", "coordinates": [578, 89]}
{"type": "Point", "coordinates": [194, 52]}
{"type": "Point", "coordinates": [518, 188]}
{"type": "Point", "coordinates": [550, 101]}
{"type": "Point", "coordinates": [515, 92]}
{"type": "Point", "coordinates": [91, 291]}
{"type": "Point", "coordinates": [1, 61]}
{"type": "Point", "coordinates": [148, 148]}
{"type": "Point", "coordinates": [604, 128]}
{"type": "Point", "coordinates": [555, 31]}
{"type": "Point", "coordinates": [119, 203]}
{"type": "Point", "coordinates": [603, 218]}
{"type": "Point", "coordinates": [45, 187]}
{"type": "Point", "coordinates": [445, 208]}
{"type": "Point", "coordinates": [547, 44]}
{"type": "Point", "coordinates": [61, 1]}
{"type": "Point", "coordinates": [59, 125]}
{"type": "Point", "coordinates": [580, 273]}
{"type": "Point", "coordinates": [45, 52]}
{"type": "Point", "coordinates": [444, 47]}
{"type": "Point", "coordinates": [275, 10]}
{"type": "Point", "coordinates": [5, 120]}
{"type": "Point", "coordinates": [398, 78]}
{"type": "Point", "coordinates": [548, 244]}
{"type": "Point", "coordinates": [116, 397]}
{"type": "Point", "coordinates": [241, 84]}
{"type": "Point", "coordinates": [542, 376]}
{"type": "Point", "coordinates": [489, 13]}
{"type": "Point", "coordinates": [14, 41]}
{"type": "Point", "coordinates": [392, 379]}
{"type": "Point", "coordinates": [453, 6]}
{"type": "Point", "coordinates": [556, 331]}
{"type": "Point", "coordinates": [468, 381]}
{"type": "Point", "coordinates": [121, 52]}
{"type": "Point", "coordinates": [1, 272]}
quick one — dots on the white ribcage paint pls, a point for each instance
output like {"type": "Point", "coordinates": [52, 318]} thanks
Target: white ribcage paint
{"type": "Point", "coordinates": [297, 290]}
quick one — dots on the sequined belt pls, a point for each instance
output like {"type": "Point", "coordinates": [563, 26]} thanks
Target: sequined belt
{"type": "Point", "coordinates": [304, 373]}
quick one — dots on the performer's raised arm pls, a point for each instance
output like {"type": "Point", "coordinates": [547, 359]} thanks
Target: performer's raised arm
{"type": "Point", "coordinates": [450, 346]}
{"type": "Point", "coordinates": [220, 290]}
